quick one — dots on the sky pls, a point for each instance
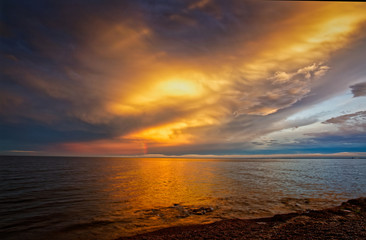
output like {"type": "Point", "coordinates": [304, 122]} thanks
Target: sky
{"type": "Point", "coordinates": [201, 77]}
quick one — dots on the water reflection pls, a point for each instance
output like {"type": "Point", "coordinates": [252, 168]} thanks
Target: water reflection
{"type": "Point", "coordinates": [161, 192]}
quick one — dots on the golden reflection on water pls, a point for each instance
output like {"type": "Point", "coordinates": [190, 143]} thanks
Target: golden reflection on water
{"type": "Point", "coordinates": [165, 182]}
{"type": "Point", "coordinates": [162, 192]}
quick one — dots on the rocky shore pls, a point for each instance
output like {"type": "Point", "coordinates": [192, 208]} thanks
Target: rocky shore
{"type": "Point", "coordinates": [347, 221]}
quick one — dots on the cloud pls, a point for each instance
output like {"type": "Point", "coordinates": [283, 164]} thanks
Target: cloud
{"type": "Point", "coordinates": [354, 122]}
{"type": "Point", "coordinates": [359, 89]}
{"type": "Point", "coordinates": [176, 75]}
{"type": "Point", "coordinates": [343, 119]}
{"type": "Point", "coordinates": [280, 90]}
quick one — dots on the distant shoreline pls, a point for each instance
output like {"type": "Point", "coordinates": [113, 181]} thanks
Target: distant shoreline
{"type": "Point", "coordinates": [347, 221]}
{"type": "Point", "coordinates": [201, 157]}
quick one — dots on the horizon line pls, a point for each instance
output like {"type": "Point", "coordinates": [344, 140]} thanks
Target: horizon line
{"type": "Point", "coordinates": [233, 156]}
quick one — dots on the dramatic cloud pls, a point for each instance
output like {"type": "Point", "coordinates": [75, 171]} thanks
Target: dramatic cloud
{"type": "Point", "coordinates": [174, 77]}
{"type": "Point", "coordinates": [359, 89]}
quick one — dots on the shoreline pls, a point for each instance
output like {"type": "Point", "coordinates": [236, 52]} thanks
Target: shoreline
{"type": "Point", "coordinates": [346, 221]}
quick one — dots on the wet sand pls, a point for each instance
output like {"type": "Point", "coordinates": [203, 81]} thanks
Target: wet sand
{"type": "Point", "coordinates": [347, 221]}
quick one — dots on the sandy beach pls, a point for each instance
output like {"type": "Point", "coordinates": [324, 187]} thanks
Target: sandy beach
{"type": "Point", "coordinates": [347, 221]}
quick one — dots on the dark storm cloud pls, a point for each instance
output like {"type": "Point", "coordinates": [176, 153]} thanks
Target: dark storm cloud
{"type": "Point", "coordinates": [359, 89]}
{"type": "Point", "coordinates": [39, 80]}
{"type": "Point", "coordinates": [192, 28]}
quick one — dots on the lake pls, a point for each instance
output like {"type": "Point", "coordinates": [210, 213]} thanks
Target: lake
{"type": "Point", "coordinates": [105, 198]}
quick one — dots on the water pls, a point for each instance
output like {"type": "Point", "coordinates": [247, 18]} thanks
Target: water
{"type": "Point", "coordinates": [104, 198]}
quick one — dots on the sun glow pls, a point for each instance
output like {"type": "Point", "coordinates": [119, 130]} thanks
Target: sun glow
{"type": "Point", "coordinates": [335, 28]}
{"type": "Point", "coordinates": [173, 133]}
{"type": "Point", "coordinates": [170, 134]}
{"type": "Point", "coordinates": [178, 87]}
{"type": "Point", "coordinates": [175, 88]}
{"type": "Point", "coordinates": [159, 93]}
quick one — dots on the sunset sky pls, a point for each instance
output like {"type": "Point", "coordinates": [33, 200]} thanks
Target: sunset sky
{"type": "Point", "coordinates": [182, 77]}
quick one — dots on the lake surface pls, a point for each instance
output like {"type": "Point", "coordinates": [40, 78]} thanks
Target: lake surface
{"type": "Point", "coordinates": [104, 198]}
